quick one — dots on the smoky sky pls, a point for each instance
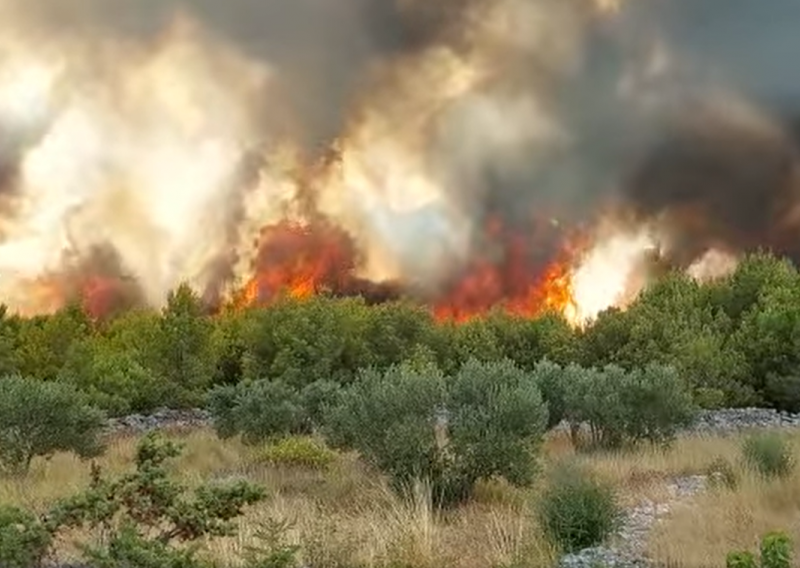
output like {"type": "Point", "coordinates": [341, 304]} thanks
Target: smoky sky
{"type": "Point", "coordinates": [319, 47]}
{"type": "Point", "coordinates": [722, 182]}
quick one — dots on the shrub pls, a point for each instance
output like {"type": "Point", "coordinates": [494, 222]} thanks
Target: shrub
{"type": "Point", "coordinates": [314, 399]}
{"type": "Point", "coordinates": [577, 510]}
{"type": "Point", "coordinates": [550, 378]}
{"type": "Point", "coordinates": [742, 559]}
{"type": "Point", "coordinates": [720, 472]}
{"type": "Point", "coordinates": [492, 426]}
{"type": "Point", "coordinates": [389, 418]}
{"type": "Point", "coordinates": [274, 552]}
{"type": "Point", "coordinates": [626, 407]}
{"type": "Point", "coordinates": [259, 411]}
{"type": "Point", "coordinates": [24, 541]}
{"type": "Point", "coordinates": [496, 422]}
{"type": "Point", "coordinates": [656, 403]}
{"type": "Point", "coordinates": [768, 454]}
{"type": "Point", "coordinates": [41, 418]}
{"type": "Point", "coordinates": [144, 515]}
{"type": "Point", "coordinates": [298, 451]}
{"type": "Point", "coordinates": [783, 392]}
{"type": "Point", "coordinates": [776, 551]}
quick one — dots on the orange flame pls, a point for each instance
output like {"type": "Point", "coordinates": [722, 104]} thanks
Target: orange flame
{"type": "Point", "coordinates": [300, 261]}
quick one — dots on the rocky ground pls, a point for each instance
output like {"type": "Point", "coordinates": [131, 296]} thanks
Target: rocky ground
{"type": "Point", "coordinates": [716, 422]}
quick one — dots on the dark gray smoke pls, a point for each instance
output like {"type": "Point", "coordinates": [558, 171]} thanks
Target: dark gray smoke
{"type": "Point", "coordinates": [683, 110]}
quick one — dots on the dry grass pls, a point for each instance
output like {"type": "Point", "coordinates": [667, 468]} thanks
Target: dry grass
{"type": "Point", "coordinates": [703, 531]}
{"type": "Point", "coordinates": [345, 516]}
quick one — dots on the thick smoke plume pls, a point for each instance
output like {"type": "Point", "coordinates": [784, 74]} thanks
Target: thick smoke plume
{"type": "Point", "coordinates": [537, 153]}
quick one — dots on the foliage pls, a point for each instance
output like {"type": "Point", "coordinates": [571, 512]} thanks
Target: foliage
{"type": "Point", "coordinates": [626, 407]}
{"type": "Point", "coordinates": [39, 419]}
{"type": "Point", "coordinates": [783, 392]}
{"type": "Point", "coordinates": [274, 551]}
{"type": "Point", "coordinates": [496, 419]}
{"type": "Point", "coordinates": [259, 411]}
{"type": "Point", "coordinates": [24, 540]}
{"type": "Point", "coordinates": [734, 342]}
{"type": "Point", "coordinates": [146, 518]}
{"type": "Point", "coordinates": [768, 454]}
{"type": "Point", "coordinates": [390, 419]}
{"type": "Point", "coordinates": [741, 559]}
{"type": "Point", "coordinates": [577, 510]}
{"type": "Point", "coordinates": [297, 451]}
{"type": "Point", "coordinates": [413, 423]}
{"type": "Point", "coordinates": [776, 552]}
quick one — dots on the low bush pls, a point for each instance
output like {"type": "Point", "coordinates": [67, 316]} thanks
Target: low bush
{"type": "Point", "coordinates": [768, 454]}
{"type": "Point", "coordinates": [41, 418]}
{"type": "Point", "coordinates": [390, 419]}
{"type": "Point", "coordinates": [496, 419]}
{"type": "Point", "coordinates": [783, 392]}
{"type": "Point", "coordinates": [258, 411]}
{"type": "Point", "coordinates": [741, 559]}
{"type": "Point", "coordinates": [24, 540]}
{"type": "Point", "coordinates": [577, 510]}
{"type": "Point", "coordinates": [313, 401]}
{"type": "Point", "coordinates": [776, 552]}
{"type": "Point", "coordinates": [299, 451]}
{"type": "Point", "coordinates": [413, 424]}
{"type": "Point", "coordinates": [147, 520]}
{"type": "Point", "coordinates": [627, 407]}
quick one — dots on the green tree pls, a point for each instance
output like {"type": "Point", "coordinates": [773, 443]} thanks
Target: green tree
{"type": "Point", "coordinates": [496, 422]}
{"type": "Point", "coordinates": [390, 418]}
{"type": "Point", "coordinates": [44, 343]}
{"type": "Point", "coordinates": [40, 419]}
{"type": "Point", "coordinates": [259, 410]}
{"type": "Point", "coordinates": [183, 353]}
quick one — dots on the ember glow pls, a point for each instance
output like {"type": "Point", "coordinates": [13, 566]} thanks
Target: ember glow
{"type": "Point", "coordinates": [531, 155]}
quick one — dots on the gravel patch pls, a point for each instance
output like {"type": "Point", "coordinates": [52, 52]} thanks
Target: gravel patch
{"type": "Point", "coordinates": [735, 420]}
{"type": "Point", "coordinates": [713, 422]}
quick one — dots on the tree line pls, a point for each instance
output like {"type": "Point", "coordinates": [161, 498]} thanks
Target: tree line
{"type": "Point", "coordinates": [735, 341]}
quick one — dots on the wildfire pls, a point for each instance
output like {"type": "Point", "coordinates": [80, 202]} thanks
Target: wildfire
{"type": "Point", "coordinates": [302, 260]}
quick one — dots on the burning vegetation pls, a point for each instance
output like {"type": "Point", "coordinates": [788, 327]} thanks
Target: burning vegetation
{"type": "Point", "coordinates": [528, 155]}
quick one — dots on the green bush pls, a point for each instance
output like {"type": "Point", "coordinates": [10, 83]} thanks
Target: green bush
{"type": "Point", "coordinates": [742, 559]}
{"type": "Point", "coordinates": [768, 454]}
{"type": "Point", "coordinates": [24, 540]}
{"type": "Point", "coordinates": [783, 393]}
{"type": "Point", "coordinates": [776, 551]}
{"type": "Point", "coordinates": [496, 422]}
{"type": "Point", "coordinates": [550, 378]}
{"type": "Point", "coordinates": [259, 411]}
{"type": "Point", "coordinates": [40, 418]}
{"type": "Point", "coordinates": [626, 407]}
{"type": "Point", "coordinates": [390, 419]}
{"type": "Point", "coordinates": [296, 451]}
{"type": "Point", "coordinates": [314, 399]}
{"type": "Point", "coordinates": [495, 419]}
{"type": "Point", "coordinates": [657, 403]}
{"type": "Point", "coordinates": [577, 510]}
{"type": "Point", "coordinates": [144, 518]}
